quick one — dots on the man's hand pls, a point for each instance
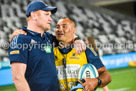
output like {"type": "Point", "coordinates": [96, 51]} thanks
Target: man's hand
{"type": "Point", "coordinates": [79, 46]}
{"type": "Point", "coordinates": [17, 32]}
{"type": "Point", "coordinates": [90, 84]}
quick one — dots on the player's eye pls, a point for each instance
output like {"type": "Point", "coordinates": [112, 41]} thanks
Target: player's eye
{"type": "Point", "coordinates": [46, 14]}
{"type": "Point", "coordinates": [57, 26]}
{"type": "Point", "coordinates": [64, 26]}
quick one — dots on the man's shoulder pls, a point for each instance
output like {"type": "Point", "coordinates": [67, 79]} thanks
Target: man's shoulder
{"type": "Point", "coordinates": [22, 38]}
{"type": "Point", "coordinates": [91, 52]}
{"type": "Point", "coordinates": [48, 34]}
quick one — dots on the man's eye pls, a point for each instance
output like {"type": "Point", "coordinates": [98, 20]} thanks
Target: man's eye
{"type": "Point", "coordinates": [57, 26]}
{"type": "Point", "coordinates": [64, 26]}
{"type": "Point", "coordinates": [46, 14]}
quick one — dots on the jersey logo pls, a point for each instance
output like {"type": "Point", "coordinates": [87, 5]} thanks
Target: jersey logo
{"type": "Point", "coordinates": [74, 56]}
{"type": "Point", "coordinates": [14, 52]}
{"type": "Point", "coordinates": [47, 49]}
{"type": "Point", "coordinates": [14, 42]}
{"type": "Point", "coordinates": [33, 41]}
{"type": "Point", "coordinates": [71, 71]}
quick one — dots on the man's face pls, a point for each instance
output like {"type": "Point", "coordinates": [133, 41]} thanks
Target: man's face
{"type": "Point", "coordinates": [65, 30]}
{"type": "Point", "coordinates": [44, 19]}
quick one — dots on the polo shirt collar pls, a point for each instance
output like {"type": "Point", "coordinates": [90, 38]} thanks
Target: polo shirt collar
{"type": "Point", "coordinates": [31, 32]}
{"type": "Point", "coordinates": [65, 50]}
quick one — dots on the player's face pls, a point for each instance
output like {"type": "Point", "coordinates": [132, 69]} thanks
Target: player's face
{"type": "Point", "coordinates": [64, 30]}
{"type": "Point", "coordinates": [44, 19]}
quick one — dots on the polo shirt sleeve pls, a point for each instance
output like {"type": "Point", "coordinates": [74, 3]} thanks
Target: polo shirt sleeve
{"type": "Point", "coordinates": [18, 50]}
{"type": "Point", "coordinates": [53, 39]}
{"type": "Point", "coordinates": [93, 58]}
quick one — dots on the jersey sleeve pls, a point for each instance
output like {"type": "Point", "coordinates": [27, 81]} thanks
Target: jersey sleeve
{"type": "Point", "coordinates": [18, 50]}
{"type": "Point", "coordinates": [93, 58]}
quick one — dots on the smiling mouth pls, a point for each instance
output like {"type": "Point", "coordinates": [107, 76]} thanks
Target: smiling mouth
{"type": "Point", "coordinates": [60, 34]}
{"type": "Point", "coordinates": [48, 23]}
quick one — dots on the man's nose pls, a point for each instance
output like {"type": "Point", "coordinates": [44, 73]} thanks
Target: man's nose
{"type": "Point", "coordinates": [50, 19]}
{"type": "Point", "coordinates": [60, 28]}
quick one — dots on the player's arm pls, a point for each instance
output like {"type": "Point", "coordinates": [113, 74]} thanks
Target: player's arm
{"type": "Point", "coordinates": [18, 59]}
{"type": "Point", "coordinates": [104, 76]}
{"type": "Point", "coordinates": [17, 32]}
{"type": "Point", "coordinates": [79, 44]}
{"type": "Point", "coordinates": [92, 83]}
{"type": "Point", "coordinates": [18, 74]}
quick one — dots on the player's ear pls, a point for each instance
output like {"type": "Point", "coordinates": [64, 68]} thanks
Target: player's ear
{"type": "Point", "coordinates": [74, 30]}
{"type": "Point", "coordinates": [33, 15]}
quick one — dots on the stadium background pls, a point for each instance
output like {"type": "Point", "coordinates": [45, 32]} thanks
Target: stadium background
{"type": "Point", "coordinates": [111, 22]}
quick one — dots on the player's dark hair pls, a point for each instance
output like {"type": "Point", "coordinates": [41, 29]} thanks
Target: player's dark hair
{"type": "Point", "coordinates": [71, 20]}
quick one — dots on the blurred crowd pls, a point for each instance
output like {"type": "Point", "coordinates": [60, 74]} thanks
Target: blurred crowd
{"type": "Point", "coordinates": [108, 30]}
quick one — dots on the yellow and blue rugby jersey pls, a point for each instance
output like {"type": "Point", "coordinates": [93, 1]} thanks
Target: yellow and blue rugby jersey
{"type": "Point", "coordinates": [69, 74]}
{"type": "Point", "coordinates": [35, 51]}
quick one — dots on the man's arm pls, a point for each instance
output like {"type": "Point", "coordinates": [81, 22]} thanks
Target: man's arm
{"type": "Point", "coordinates": [104, 76]}
{"type": "Point", "coordinates": [92, 83]}
{"type": "Point", "coordinates": [79, 44]}
{"type": "Point", "coordinates": [18, 74]}
{"type": "Point", "coordinates": [17, 32]}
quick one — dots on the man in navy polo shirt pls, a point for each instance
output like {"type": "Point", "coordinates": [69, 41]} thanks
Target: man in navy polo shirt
{"type": "Point", "coordinates": [31, 56]}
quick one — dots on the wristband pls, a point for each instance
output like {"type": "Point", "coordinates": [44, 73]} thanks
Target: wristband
{"type": "Point", "coordinates": [99, 82]}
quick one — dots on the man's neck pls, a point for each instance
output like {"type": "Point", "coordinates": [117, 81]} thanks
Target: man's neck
{"type": "Point", "coordinates": [66, 44]}
{"type": "Point", "coordinates": [35, 29]}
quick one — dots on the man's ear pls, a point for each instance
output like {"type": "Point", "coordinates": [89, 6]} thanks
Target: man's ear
{"type": "Point", "coordinates": [33, 15]}
{"type": "Point", "coordinates": [74, 30]}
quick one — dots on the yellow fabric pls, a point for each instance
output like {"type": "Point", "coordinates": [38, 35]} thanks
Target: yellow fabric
{"type": "Point", "coordinates": [74, 63]}
{"type": "Point", "coordinates": [79, 89]}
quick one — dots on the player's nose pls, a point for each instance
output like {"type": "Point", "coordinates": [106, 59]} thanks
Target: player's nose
{"type": "Point", "coordinates": [50, 19]}
{"type": "Point", "coordinates": [60, 29]}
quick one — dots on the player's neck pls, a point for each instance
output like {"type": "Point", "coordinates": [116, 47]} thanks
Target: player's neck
{"type": "Point", "coordinates": [35, 29]}
{"type": "Point", "coordinates": [67, 43]}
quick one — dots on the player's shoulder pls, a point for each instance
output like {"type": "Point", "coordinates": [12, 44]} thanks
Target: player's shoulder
{"type": "Point", "coordinates": [21, 38]}
{"type": "Point", "coordinates": [48, 34]}
{"type": "Point", "coordinates": [91, 52]}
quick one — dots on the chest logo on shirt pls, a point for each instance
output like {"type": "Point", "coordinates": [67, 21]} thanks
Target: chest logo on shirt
{"type": "Point", "coordinates": [33, 41]}
{"type": "Point", "coordinates": [47, 49]}
{"type": "Point", "coordinates": [74, 56]}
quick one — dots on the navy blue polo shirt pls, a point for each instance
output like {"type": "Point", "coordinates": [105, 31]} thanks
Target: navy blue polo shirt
{"type": "Point", "coordinates": [37, 53]}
